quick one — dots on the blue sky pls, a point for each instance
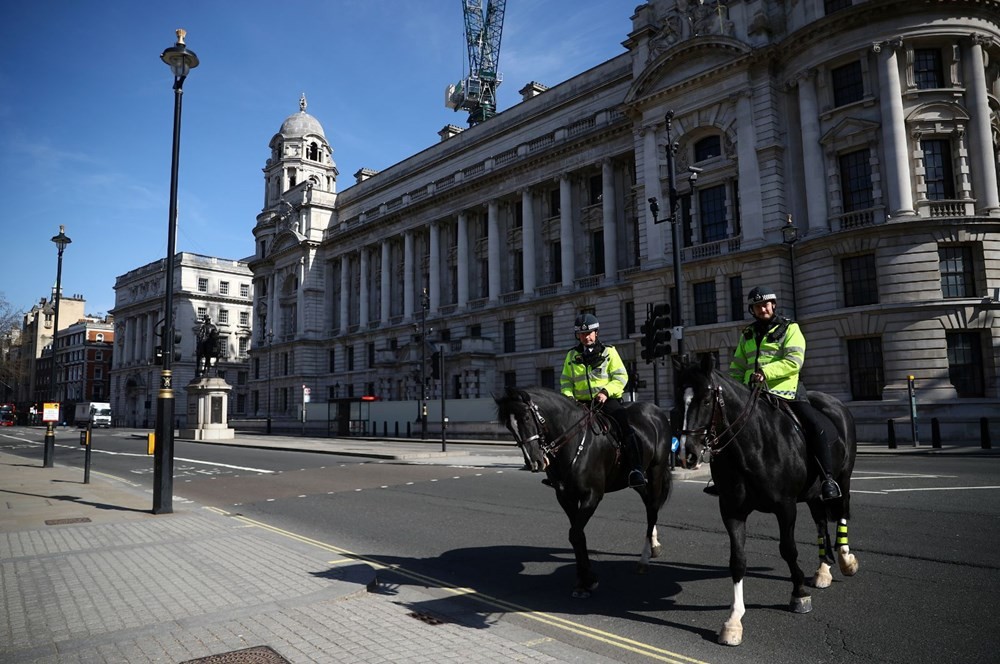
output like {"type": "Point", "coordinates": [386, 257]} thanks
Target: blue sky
{"type": "Point", "coordinates": [86, 111]}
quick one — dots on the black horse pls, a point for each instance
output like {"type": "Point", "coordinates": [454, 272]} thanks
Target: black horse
{"type": "Point", "coordinates": [760, 463]}
{"type": "Point", "coordinates": [574, 446]}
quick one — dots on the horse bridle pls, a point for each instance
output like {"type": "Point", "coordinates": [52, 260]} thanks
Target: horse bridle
{"type": "Point", "coordinates": [717, 434]}
{"type": "Point", "coordinates": [548, 445]}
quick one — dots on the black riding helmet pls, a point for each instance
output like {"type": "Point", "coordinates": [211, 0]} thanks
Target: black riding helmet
{"type": "Point", "coordinates": [586, 323]}
{"type": "Point", "coordinates": [760, 294]}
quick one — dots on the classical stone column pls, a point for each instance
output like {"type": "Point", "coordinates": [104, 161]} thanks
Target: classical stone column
{"type": "Point", "coordinates": [385, 288]}
{"type": "Point", "coordinates": [651, 181]}
{"type": "Point", "coordinates": [528, 240]}
{"type": "Point", "coordinates": [463, 259]}
{"type": "Point", "coordinates": [751, 200]}
{"type": "Point", "coordinates": [899, 194]}
{"type": "Point", "coordinates": [345, 292]}
{"type": "Point", "coordinates": [434, 267]}
{"type": "Point", "coordinates": [408, 271]}
{"type": "Point", "coordinates": [300, 298]}
{"type": "Point", "coordinates": [984, 168]}
{"type": "Point", "coordinates": [609, 221]}
{"type": "Point", "coordinates": [812, 155]}
{"type": "Point", "coordinates": [566, 231]}
{"type": "Point", "coordinates": [363, 289]}
{"type": "Point", "coordinates": [493, 248]}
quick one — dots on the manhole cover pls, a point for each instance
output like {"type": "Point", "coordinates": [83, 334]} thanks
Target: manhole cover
{"type": "Point", "coordinates": [257, 655]}
{"type": "Point", "coordinates": [62, 522]}
{"type": "Point", "coordinates": [427, 618]}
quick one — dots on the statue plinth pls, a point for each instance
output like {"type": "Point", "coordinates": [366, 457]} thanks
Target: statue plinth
{"type": "Point", "coordinates": [208, 410]}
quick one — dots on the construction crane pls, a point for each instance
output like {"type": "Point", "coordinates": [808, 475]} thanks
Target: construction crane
{"type": "Point", "coordinates": [477, 93]}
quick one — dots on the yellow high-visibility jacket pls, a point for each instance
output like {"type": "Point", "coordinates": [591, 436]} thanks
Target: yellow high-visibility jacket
{"type": "Point", "coordinates": [608, 374]}
{"type": "Point", "coordinates": [780, 357]}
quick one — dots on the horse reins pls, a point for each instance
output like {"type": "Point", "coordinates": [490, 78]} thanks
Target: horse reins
{"type": "Point", "coordinates": [717, 429]}
{"type": "Point", "coordinates": [553, 445]}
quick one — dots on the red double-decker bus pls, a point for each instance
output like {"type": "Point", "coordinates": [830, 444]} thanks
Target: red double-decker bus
{"type": "Point", "coordinates": [8, 414]}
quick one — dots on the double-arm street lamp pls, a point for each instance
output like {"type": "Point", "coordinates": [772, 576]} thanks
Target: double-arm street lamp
{"type": "Point", "coordinates": [181, 61]}
{"type": "Point", "coordinates": [424, 305]}
{"type": "Point", "coordinates": [61, 242]}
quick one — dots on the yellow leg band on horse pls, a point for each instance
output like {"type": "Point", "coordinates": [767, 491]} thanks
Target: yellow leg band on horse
{"type": "Point", "coordinates": [841, 534]}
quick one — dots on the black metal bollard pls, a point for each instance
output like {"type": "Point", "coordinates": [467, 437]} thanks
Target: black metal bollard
{"type": "Point", "coordinates": [984, 433]}
{"type": "Point", "coordinates": [397, 429]}
{"type": "Point", "coordinates": [935, 433]}
{"type": "Point", "coordinates": [408, 429]}
{"type": "Point", "coordinates": [385, 429]}
{"type": "Point", "coordinates": [892, 434]}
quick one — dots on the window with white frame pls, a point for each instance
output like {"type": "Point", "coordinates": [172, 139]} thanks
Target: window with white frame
{"type": "Point", "coordinates": [244, 345]}
{"type": "Point", "coordinates": [245, 318]}
{"type": "Point", "coordinates": [224, 316]}
{"type": "Point", "coordinates": [202, 312]}
{"type": "Point", "coordinates": [244, 290]}
{"type": "Point", "coordinates": [202, 284]}
{"type": "Point", "coordinates": [223, 288]}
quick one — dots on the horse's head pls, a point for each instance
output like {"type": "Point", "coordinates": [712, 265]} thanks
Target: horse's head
{"type": "Point", "coordinates": [521, 416]}
{"type": "Point", "coordinates": [701, 406]}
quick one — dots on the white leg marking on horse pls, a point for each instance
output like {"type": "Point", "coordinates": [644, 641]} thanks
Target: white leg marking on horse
{"type": "Point", "coordinates": [732, 629]}
{"type": "Point", "coordinates": [823, 578]}
{"type": "Point", "coordinates": [656, 544]}
{"type": "Point", "coordinates": [848, 561]}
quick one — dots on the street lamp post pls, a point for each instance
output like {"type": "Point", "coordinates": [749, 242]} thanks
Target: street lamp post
{"type": "Point", "coordinates": [424, 305]}
{"type": "Point", "coordinates": [790, 235]}
{"type": "Point", "coordinates": [61, 241]}
{"type": "Point", "coordinates": [678, 313]}
{"type": "Point", "coordinates": [270, 340]}
{"type": "Point", "coordinates": [181, 61]}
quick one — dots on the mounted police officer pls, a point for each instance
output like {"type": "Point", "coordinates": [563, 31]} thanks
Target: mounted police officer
{"type": "Point", "coordinates": [594, 373]}
{"type": "Point", "coordinates": [772, 350]}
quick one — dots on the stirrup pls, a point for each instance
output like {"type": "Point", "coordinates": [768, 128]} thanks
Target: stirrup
{"type": "Point", "coordinates": [711, 489]}
{"type": "Point", "coordinates": [830, 490]}
{"type": "Point", "coordinates": [636, 478]}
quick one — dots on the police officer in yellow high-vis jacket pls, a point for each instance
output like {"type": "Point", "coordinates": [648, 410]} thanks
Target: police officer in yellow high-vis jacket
{"type": "Point", "coordinates": [772, 350]}
{"type": "Point", "coordinates": [595, 373]}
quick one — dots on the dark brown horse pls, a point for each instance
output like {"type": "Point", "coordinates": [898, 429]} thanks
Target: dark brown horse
{"type": "Point", "coordinates": [575, 448]}
{"type": "Point", "coordinates": [760, 463]}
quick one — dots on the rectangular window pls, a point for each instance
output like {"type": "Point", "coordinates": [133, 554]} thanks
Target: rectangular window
{"type": "Point", "coordinates": [555, 273]}
{"type": "Point", "coordinates": [595, 189]}
{"type": "Point", "coordinates": [518, 214]}
{"type": "Point", "coordinates": [330, 357]}
{"type": "Point", "coordinates": [712, 213]}
{"type": "Point", "coordinates": [965, 364]}
{"type": "Point", "coordinates": [202, 312]}
{"type": "Point", "coordinates": [848, 85]}
{"type": "Point", "coordinates": [864, 358]}
{"type": "Point", "coordinates": [597, 247]}
{"type": "Point", "coordinates": [371, 354]}
{"type": "Point", "coordinates": [553, 202]}
{"type": "Point", "coordinates": [736, 307]}
{"type": "Point", "coordinates": [547, 378]}
{"type": "Point", "coordinates": [518, 271]}
{"type": "Point", "coordinates": [545, 331]}
{"type": "Point", "coordinates": [860, 280]}
{"type": "Point", "coordinates": [830, 6]}
{"type": "Point", "coordinates": [241, 377]}
{"type": "Point", "coordinates": [938, 174]}
{"type": "Point", "coordinates": [708, 148]}
{"type": "Point", "coordinates": [244, 344]}
{"type": "Point", "coordinates": [629, 318]}
{"type": "Point", "coordinates": [476, 331]}
{"type": "Point", "coordinates": [349, 352]}
{"type": "Point", "coordinates": [223, 288]}
{"type": "Point", "coordinates": [509, 340]}
{"type": "Point", "coordinates": [244, 290]}
{"type": "Point", "coordinates": [928, 73]}
{"type": "Point", "coordinates": [245, 318]}
{"type": "Point", "coordinates": [256, 368]}
{"type": "Point", "coordinates": [705, 310]}
{"type": "Point", "coordinates": [510, 379]}
{"type": "Point", "coordinates": [957, 276]}
{"type": "Point", "coordinates": [202, 285]}
{"type": "Point", "coordinates": [856, 181]}
{"type": "Point", "coordinates": [224, 316]}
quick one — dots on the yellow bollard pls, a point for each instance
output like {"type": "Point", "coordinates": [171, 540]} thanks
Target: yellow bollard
{"type": "Point", "coordinates": [150, 443]}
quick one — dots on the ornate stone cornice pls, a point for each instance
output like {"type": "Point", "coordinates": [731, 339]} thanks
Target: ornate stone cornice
{"type": "Point", "coordinates": [893, 44]}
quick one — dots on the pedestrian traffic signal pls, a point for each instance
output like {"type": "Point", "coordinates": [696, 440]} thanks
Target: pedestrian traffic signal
{"type": "Point", "coordinates": [158, 354]}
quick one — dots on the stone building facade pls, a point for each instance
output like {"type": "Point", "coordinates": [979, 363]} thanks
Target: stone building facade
{"type": "Point", "coordinates": [219, 288]}
{"type": "Point", "coordinates": [846, 156]}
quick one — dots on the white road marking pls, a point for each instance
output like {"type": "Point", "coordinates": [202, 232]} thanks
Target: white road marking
{"type": "Point", "coordinates": [941, 488]}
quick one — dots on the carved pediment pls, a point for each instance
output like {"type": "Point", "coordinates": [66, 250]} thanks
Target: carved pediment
{"type": "Point", "coordinates": [685, 61]}
{"type": "Point", "coordinates": [849, 128]}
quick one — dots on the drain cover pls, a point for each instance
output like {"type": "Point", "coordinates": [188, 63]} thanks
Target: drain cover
{"type": "Point", "coordinates": [62, 522]}
{"type": "Point", "coordinates": [427, 618]}
{"type": "Point", "coordinates": [257, 655]}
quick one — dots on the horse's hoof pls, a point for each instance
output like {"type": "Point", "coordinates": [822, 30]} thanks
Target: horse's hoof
{"type": "Point", "coordinates": [801, 604]}
{"type": "Point", "coordinates": [731, 635]}
{"type": "Point", "coordinates": [656, 551]}
{"type": "Point", "coordinates": [848, 564]}
{"type": "Point", "coordinates": [823, 578]}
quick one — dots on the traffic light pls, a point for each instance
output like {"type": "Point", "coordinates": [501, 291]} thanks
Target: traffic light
{"type": "Point", "coordinates": [662, 330]}
{"type": "Point", "coordinates": [436, 365]}
{"type": "Point", "coordinates": [158, 354]}
{"type": "Point", "coordinates": [648, 341]}
{"type": "Point", "coordinates": [177, 347]}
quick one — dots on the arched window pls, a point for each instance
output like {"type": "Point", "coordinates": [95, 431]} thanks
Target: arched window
{"type": "Point", "coordinates": [708, 147]}
{"type": "Point", "coordinates": [312, 152]}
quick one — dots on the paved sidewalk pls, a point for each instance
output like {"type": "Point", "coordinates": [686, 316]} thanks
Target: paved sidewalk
{"type": "Point", "coordinates": [90, 575]}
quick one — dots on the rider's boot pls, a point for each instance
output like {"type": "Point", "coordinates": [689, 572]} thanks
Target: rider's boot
{"type": "Point", "coordinates": [635, 477]}
{"type": "Point", "coordinates": [829, 489]}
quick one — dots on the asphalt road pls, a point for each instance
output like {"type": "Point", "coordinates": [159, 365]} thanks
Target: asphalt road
{"type": "Point", "coordinates": [490, 542]}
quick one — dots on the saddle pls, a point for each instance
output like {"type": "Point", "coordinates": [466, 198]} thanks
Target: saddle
{"type": "Point", "coordinates": [784, 406]}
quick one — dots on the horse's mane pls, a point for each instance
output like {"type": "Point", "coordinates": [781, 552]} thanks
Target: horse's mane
{"type": "Point", "coordinates": [513, 400]}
